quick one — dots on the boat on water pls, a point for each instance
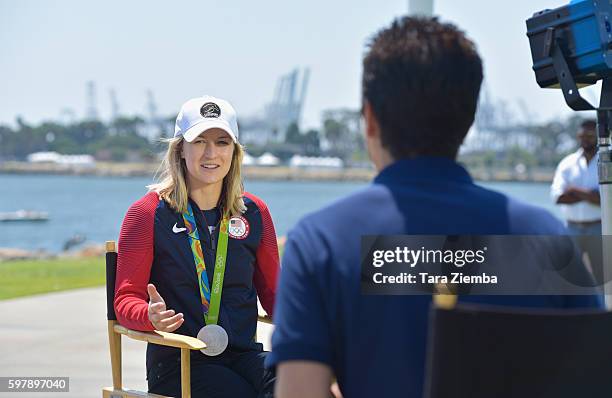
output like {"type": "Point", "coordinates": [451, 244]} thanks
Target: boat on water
{"type": "Point", "coordinates": [24, 215]}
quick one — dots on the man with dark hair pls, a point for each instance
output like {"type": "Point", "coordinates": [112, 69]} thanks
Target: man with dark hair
{"type": "Point", "coordinates": [421, 80]}
{"type": "Point", "coordinates": [427, 67]}
{"type": "Point", "coordinates": [575, 189]}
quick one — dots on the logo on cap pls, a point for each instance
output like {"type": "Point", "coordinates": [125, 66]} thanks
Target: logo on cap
{"type": "Point", "coordinates": [210, 110]}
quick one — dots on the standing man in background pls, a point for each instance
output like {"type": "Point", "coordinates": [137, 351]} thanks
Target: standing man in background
{"type": "Point", "coordinates": [575, 189]}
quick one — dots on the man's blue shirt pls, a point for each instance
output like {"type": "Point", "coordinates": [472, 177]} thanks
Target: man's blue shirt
{"type": "Point", "coordinates": [376, 344]}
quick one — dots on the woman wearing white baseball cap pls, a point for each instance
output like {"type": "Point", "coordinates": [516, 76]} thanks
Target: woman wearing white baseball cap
{"type": "Point", "coordinates": [195, 253]}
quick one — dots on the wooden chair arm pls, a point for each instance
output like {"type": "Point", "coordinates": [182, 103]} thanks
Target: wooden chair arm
{"type": "Point", "coordinates": [265, 319]}
{"type": "Point", "coordinates": [162, 338]}
{"type": "Point", "coordinates": [171, 339]}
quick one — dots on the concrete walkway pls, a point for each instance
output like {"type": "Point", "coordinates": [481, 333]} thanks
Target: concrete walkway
{"type": "Point", "coordinates": [64, 334]}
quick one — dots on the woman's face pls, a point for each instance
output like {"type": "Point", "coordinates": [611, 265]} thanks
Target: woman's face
{"type": "Point", "coordinates": [208, 158]}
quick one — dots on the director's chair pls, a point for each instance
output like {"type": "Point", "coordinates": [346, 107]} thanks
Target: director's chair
{"type": "Point", "coordinates": [115, 330]}
{"type": "Point", "coordinates": [477, 351]}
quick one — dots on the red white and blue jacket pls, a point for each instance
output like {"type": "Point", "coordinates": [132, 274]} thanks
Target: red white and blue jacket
{"type": "Point", "coordinates": [154, 248]}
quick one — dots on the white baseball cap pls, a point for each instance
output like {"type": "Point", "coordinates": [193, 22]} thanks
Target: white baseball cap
{"type": "Point", "coordinates": [204, 113]}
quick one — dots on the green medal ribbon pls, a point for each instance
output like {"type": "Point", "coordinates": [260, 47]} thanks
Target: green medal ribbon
{"type": "Point", "coordinates": [211, 300]}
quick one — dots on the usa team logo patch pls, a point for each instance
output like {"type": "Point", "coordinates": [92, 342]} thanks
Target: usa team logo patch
{"type": "Point", "coordinates": [238, 227]}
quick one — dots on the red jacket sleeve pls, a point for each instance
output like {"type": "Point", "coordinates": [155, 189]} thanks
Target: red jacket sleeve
{"type": "Point", "coordinates": [267, 259]}
{"type": "Point", "coordinates": [134, 260]}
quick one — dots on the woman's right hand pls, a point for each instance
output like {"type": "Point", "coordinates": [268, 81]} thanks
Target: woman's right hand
{"type": "Point", "coordinates": [162, 319]}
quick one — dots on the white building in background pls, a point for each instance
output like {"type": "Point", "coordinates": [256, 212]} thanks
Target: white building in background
{"type": "Point", "coordinates": [248, 160]}
{"type": "Point", "coordinates": [316, 162]}
{"type": "Point", "coordinates": [44, 157]}
{"type": "Point", "coordinates": [68, 160]}
{"type": "Point", "coordinates": [267, 159]}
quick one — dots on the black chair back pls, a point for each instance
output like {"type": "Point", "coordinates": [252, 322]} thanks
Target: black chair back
{"type": "Point", "coordinates": [477, 352]}
{"type": "Point", "coordinates": [111, 271]}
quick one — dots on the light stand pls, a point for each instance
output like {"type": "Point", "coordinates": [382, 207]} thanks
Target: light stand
{"type": "Point", "coordinates": [575, 101]}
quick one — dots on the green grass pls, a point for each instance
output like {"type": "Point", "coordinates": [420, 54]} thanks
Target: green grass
{"type": "Point", "coordinates": [27, 277]}
{"type": "Point", "coordinates": [24, 278]}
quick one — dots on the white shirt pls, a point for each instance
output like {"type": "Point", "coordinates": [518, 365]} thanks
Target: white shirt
{"type": "Point", "coordinates": [574, 171]}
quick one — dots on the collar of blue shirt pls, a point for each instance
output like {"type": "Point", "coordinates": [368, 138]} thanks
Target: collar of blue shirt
{"type": "Point", "coordinates": [424, 168]}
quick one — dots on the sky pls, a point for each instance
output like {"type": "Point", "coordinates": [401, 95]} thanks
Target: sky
{"type": "Point", "coordinates": [236, 50]}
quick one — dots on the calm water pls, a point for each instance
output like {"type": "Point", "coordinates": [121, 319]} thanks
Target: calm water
{"type": "Point", "coordinates": [95, 206]}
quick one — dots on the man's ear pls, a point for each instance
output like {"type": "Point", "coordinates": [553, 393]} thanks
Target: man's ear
{"type": "Point", "coordinates": [372, 128]}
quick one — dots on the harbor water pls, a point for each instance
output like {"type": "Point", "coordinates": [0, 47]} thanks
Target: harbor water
{"type": "Point", "coordinates": [93, 207]}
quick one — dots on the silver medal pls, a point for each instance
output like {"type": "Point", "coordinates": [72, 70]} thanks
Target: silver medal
{"type": "Point", "coordinates": [215, 338]}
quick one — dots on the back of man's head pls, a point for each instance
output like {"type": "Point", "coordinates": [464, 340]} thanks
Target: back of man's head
{"type": "Point", "coordinates": [422, 79]}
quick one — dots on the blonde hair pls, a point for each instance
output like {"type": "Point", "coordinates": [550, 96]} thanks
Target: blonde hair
{"type": "Point", "coordinates": [172, 184]}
